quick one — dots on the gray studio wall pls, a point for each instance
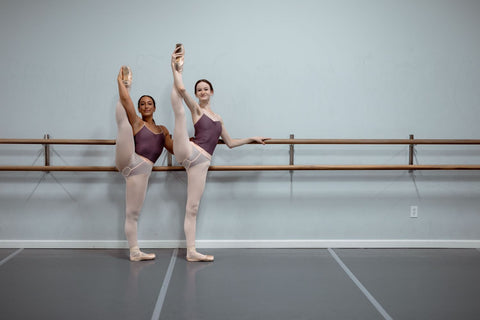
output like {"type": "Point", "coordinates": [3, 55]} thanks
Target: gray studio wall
{"type": "Point", "coordinates": [316, 69]}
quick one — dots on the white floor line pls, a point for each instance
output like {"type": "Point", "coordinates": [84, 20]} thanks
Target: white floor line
{"type": "Point", "coordinates": [163, 290]}
{"type": "Point", "coordinates": [10, 256]}
{"type": "Point", "coordinates": [360, 286]}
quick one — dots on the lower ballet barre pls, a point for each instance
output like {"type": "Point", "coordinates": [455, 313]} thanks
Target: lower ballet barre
{"type": "Point", "coordinates": [411, 142]}
{"type": "Point", "coordinates": [256, 168]}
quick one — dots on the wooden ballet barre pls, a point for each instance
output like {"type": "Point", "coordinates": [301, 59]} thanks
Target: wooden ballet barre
{"type": "Point", "coordinates": [46, 141]}
{"type": "Point", "coordinates": [272, 141]}
{"type": "Point", "coordinates": [258, 167]}
{"type": "Point", "coordinates": [371, 141]}
{"type": "Point", "coordinates": [59, 141]}
{"type": "Point", "coordinates": [342, 167]}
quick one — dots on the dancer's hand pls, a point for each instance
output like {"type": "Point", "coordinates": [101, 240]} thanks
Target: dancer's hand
{"type": "Point", "coordinates": [172, 62]}
{"type": "Point", "coordinates": [125, 76]}
{"type": "Point", "coordinates": [260, 139]}
{"type": "Point", "coordinates": [177, 58]}
{"type": "Point", "coordinates": [120, 75]}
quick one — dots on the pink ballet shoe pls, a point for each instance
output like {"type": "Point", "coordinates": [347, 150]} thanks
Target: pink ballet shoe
{"type": "Point", "coordinates": [200, 258]}
{"type": "Point", "coordinates": [137, 255]}
{"type": "Point", "coordinates": [127, 76]}
{"type": "Point", "coordinates": [179, 60]}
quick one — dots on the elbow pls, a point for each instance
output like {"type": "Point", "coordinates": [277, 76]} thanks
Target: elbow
{"type": "Point", "coordinates": [182, 90]}
{"type": "Point", "coordinates": [227, 143]}
{"type": "Point", "coordinates": [180, 87]}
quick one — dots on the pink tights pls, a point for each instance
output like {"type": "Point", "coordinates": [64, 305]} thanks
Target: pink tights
{"type": "Point", "coordinates": [196, 162]}
{"type": "Point", "coordinates": [136, 171]}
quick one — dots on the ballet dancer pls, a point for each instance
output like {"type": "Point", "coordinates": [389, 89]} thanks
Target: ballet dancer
{"type": "Point", "coordinates": [196, 155]}
{"type": "Point", "coordinates": [140, 141]}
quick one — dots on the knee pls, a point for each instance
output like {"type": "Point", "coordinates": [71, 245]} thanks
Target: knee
{"type": "Point", "coordinates": [177, 105]}
{"type": "Point", "coordinates": [192, 209]}
{"type": "Point", "coordinates": [133, 214]}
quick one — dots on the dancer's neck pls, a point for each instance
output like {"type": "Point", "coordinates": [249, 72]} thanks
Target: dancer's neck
{"type": "Point", "coordinates": [149, 120]}
{"type": "Point", "coordinates": [204, 104]}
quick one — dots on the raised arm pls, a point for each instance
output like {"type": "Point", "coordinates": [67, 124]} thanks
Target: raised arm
{"type": "Point", "coordinates": [126, 101]}
{"type": "Point", "coordinates": [232, 143]}
{"type": "Point", "coordinates": [178, 84]}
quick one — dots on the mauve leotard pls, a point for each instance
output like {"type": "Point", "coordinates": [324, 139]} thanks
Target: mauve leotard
{"type": "Point", "coordinates": [207, 133]}
{"type": "Point", "coordinates": [148, 144]}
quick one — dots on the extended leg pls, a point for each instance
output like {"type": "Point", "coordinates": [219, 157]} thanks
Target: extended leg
{"type": "Point", "coordinates": [181, 142]}
{"type": "Point", "coordinates": [125, 145]}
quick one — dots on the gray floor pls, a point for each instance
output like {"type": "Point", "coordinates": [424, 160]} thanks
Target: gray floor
{"type": "Point", "coordinates": [241, 284]}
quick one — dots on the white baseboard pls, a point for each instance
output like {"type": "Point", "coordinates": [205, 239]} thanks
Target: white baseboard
{"type": "Point", "coordinates": [351, 243]}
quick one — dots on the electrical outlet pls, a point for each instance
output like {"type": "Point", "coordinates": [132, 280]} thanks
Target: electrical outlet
{"type": "Point", "coordinates": [413, 211]}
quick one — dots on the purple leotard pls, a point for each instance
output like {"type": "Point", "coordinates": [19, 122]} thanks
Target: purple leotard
{"type": "Point", "coordinates": [148, 144]}
{"type": "Point", "coordinates": [207, 133]}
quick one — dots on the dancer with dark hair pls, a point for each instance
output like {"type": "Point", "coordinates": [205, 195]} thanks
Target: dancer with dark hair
{"type": "Point", "coordinates": [196, 155]}
{"type": "Point", "coordinates": [140, 141]}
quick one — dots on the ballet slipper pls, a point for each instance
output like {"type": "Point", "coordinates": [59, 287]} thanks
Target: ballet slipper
{"type": "Point", "coordinates": [179, 60]}
{"type": "Point", "coordinates": [137, 255]}
{"type": "Point", "coordinates": [198, 257]}
{"type": "Point", "coordinates": [204, 258]}
{"type": "Point", "coordinates": [127, 76]}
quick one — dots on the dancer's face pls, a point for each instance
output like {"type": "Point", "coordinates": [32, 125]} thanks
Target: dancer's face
{"type": "Point", "coordinates": [203, 91]}
{"type": "Point", "coordinates": [146, 106]}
